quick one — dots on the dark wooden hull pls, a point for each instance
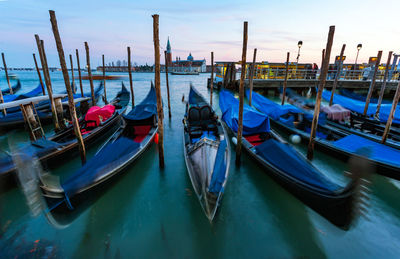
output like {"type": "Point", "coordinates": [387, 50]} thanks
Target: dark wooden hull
{"type": "Point", "coordinates": [338, 209]}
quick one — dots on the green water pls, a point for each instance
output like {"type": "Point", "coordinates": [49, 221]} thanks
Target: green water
{"type": "Point", "coordinates": [148, 212]}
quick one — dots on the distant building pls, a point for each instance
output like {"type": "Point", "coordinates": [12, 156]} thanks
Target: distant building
{"type": "Point", "coordinates": [188, 65]}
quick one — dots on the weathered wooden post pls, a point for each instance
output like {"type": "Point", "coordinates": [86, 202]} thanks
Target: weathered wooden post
{"type": "Point", "coordinates": [253, 65]}
{"type": "Point", "coordinates": [212, 78]}
{"type": "Point", "coordinates": [90, 73]}
{"type": "Point", "coordinates": [286, 76]}
{"type": "Point", "coordinates": [67, 86]}
{"type": "Point", "coordinates": [130, 76]}
{"type": "Point", "coordinates": [104, 81]}
{"type": "Point", "coordinates": [241, 96]}
{"type": "Point", "coordinates": [323, 57]}
{"type": "Point", "coordinates": [46, 75]}
{"type": "Point", "coordinates": [160, 111]}
{"type": "Point", "coordinates": [40, 76]}
{"type": "Point", "coordinates": [378, 107]}
{"type": "Point", "coordinates": [79, 72]}
{"type": "Point", "coordinates": [72, 74]}
{"type": "Point", "coordinates": [339, 71]}
{"type": "Point", "coordinates": [325, 66]}
{"type": "Point", "coordinates": [5, 70]}
{"type": "Point", "coordinates": [372, 85]}
{"type": "Point", "coordinates": [391, 115]}
{"type": "Point", "coordinates": [166, 78]}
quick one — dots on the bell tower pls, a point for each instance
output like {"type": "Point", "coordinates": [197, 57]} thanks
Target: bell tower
{"type": "Point", "coordinates": [169, 54]}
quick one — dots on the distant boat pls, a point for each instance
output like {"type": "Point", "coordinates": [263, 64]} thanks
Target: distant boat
{"type": "Point", "coordinates": [184, 73]}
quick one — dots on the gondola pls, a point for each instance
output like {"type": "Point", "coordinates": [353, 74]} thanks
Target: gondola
{"type": "Point", "coordinates": [97, 124]}
{"type": "Point", "coordinates": [288, 167]}
{"type": "Point", "coordinates": [206, 151]}
{"type": "Point", "coordinates": [14, 97]}
{"type": "Point", "coordinates": [372, 132]}
{"type": "Point", "coordinates": [14, 119]}
{"type": "Point", "coordinates": [133, 137]}
{"type": "Point", "coordinates": [14, 88]}
{"type": "Point", "coordinates": [338, 144]}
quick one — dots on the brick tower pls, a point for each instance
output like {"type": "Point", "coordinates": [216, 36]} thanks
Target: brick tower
{"type": "Point", "coordinates": [169, 54]}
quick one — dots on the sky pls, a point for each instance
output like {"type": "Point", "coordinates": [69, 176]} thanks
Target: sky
{"type": "Point", "coordinates": [199, 27]}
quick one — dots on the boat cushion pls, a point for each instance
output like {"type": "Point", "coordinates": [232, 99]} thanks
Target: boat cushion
{"type": "Point", "coordinates": [287, 160]}
{"type": "Point", "coordinates": [141, 132]}
{"type": "Point", "coordinates": [379, 152]}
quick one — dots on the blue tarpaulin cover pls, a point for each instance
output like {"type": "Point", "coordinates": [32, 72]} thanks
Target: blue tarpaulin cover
{"type": "Point", "coordinates": [253, 121]}
{"type": "Point", "coordinates": [283, 157]}
{"type": "Point", "coordinates": [360, 97]}
{"type": "Point", "coordinates": [146, 109]}
{"type": "Point", "coordinates": [111, 155]}
{"type": "Point", "coordinates": [270, 108]}
{"type": "Point", "coordinates": [195, 98]}
{"type": "Point", "coordinates": [358, 106]}
{"type": "Point", "coordinates": [218, 177]}
{"type": "Point", "coordinates": [276, 111]}
{"type": "Point", "coordinates": [379, 152]}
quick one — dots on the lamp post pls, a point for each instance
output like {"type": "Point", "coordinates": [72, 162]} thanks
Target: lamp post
{"type": "Point", "coordinates": [359, 46]}
{"type": "Point", "coordinates": [299, 44]}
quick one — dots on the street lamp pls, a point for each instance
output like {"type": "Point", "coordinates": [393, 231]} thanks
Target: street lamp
{"type": "Point", "coordinates": [359, 46]}
{"type": "Point", "coordinates": [299, 44]}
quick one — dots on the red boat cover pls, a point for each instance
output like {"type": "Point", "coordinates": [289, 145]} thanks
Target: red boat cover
{"type": "Point", "coordinates": [99, 115]}
{"type": "Point", "coordinates": [141, 132]}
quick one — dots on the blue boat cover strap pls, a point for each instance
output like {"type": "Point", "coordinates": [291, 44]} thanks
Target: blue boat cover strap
{"type": "Point", "coordinates": [378, 152]}
{"type": "Point", "coordinates": [111, 155]}
{"type": "Point", "coordinates": [253, 121]}
{"type": "Point", "coordinates": [146, 109]}
{"type": "Point", "coordinates": [358, 106]}
{"type": "Point", "coordinates": [291, 163]}
{"type": "Point", "coordinates": [218, 176]}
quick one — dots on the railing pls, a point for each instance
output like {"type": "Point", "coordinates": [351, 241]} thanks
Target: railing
{"type": "Point", "coordinates": [308, 74]}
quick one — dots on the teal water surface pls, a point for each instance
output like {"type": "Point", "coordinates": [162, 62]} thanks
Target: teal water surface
{"type": "Point", "coordinates": [148, 212]}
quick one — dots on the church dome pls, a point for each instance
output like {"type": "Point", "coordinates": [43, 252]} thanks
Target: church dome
{"type": "Point", "coordinates": [190, 57]}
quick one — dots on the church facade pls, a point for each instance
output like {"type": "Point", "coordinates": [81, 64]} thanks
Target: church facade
{"type": "Point", "coordinates": [188, 65]}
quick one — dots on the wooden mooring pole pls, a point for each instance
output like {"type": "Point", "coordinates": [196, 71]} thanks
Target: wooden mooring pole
{"type": "Point", "coordinates": [5, 70]}
{"type": "Point", "coordinates": [252, 68]}
{"type": "Point", "coordinates": [212, 78]}
{"type": "Point", "coordinates": [39, 75]}
{"type": "Point", "coordinates": [241, 95]}
{"type": "Point", "coordinates": [372, 85]}
{"type": "Point", "coordinates": [104, 81]}
{"type": "Point", "coordinates": [323, 57]}
{"type": "Point", "coordinates": [286, 77]}
{"type": "Point", "coordinates": [378, 107]}
{"type": "Point", "coordinates": [90, 73]}
{"type": "Point", "coordinates": [339, 71]}
{"type": "Point", "coordinates": [166, 79]}
{"type": "Point", "coordinates": [79, 72]}
{"type": "Point", "coordinates": [46, 75]}
{"type": "Point", "coordinates": [130, 77]}
{"type": "Point", "coordinates": [72, 74]}
{"type": "Point", "coordinates": [158, 90]}
{"type": "Point", "coordinates": [64, 69]}
{"type": "Point", "coordinates": [391, 115]}
{"type": "Point", "coordinates": [325, 66]}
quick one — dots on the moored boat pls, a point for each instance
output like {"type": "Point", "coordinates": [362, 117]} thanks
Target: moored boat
{"type": "Point", "coordinates": [133, 137]}
{"type": "Point", "coordinates": [206, 151]}
{"type": "Point", "coordinates": [97, 124]}
{"type": "Point", "coordinates": [288, 167]}
{"type": "Point", "coordinates": [338, 144]}
{"type": "Point", "coordinates": [14, 88]}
